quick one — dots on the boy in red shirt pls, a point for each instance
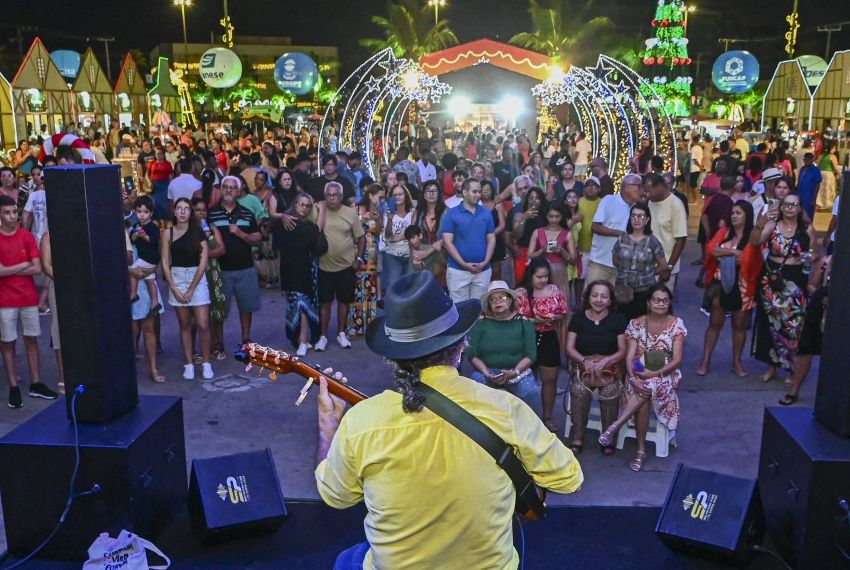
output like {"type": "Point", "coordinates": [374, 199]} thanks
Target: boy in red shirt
{"type": "Point", "coordinates": [19, 261]}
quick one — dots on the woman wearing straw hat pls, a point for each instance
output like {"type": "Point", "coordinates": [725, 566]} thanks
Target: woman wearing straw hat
{"type": "Point", "coordinates": [415, 472]}
{"type": "Point", "coordinates": [503, 346]}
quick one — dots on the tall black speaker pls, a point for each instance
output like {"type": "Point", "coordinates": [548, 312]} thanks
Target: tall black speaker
{"type": "Point", "coordinates": [92, 292]}
{"type": "Point", "coordinates": [710, 515]}
{"type": "Point", "coordinates": [832, 402]}
{"type": "Point", "coordinates": [804, 472]}
{"type": "Point", "coordinates": [235, 496]}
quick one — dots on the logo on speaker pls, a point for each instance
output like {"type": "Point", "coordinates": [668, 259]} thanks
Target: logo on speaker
{"type": "Point", "coordinates": [235, 488]}
{"type": "Point", "coordinates": [701, 506]}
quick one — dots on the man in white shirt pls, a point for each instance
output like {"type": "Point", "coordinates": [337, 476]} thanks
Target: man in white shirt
{"type": "Point", "coordinates": [427, 170]}
{"type": "Point", "coordinates": [609, 224]}
{"type": "Point", "coordinates": [183, 186]}
{"type": "Point", "coordinates": [581, 155]}
{"type": "Point", "coordinates": [669, 225]}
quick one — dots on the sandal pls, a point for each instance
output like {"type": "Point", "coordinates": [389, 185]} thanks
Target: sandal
{"type": "Point", "coordinates": [702, 371]}
{"type": "Point", "coordinates": [788, 399]}
{"type": "Point", "coordinates": [608, 450]}
{"type": "Point", "coordinates": [576, 447]}
{"type": "Point", "coordinates": [607, 437]}
{"type": "Point", "coordinates": [768, 376]}
{"type": "Point", "coordinates": [741, 373]}
{"type": "Point", "coordinates": [550, 425]}
{"type": "Point", "coordinates": [157, 378]}
{"type": "Point", "coordinates": [636, 464]}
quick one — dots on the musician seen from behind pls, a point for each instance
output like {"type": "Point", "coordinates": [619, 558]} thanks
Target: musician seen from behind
{"type": "Point", "coordinates": [435, 498]}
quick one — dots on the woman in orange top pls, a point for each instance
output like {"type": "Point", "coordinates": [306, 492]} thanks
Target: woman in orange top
{"type": "Point", "coordinates": [740, 241]}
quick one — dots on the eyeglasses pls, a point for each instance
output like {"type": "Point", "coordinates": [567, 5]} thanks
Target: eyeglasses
{"type": "Point", "coordinates": [302, 205]}
{"type": "Point", "coordinates": [432, 190]}
{"type": "Point", "coordinates": [660, 300]}
{"type": "Point", "coordinates": [790, 205]}
{"type": "Point", "coordinates": [333, 195]}
{"type": "Point", "coordinates": [228, 187]}
{"type": "Point", "coordinates": [639, 216]}
{"type": "Point", "coordinates": [499, 298]}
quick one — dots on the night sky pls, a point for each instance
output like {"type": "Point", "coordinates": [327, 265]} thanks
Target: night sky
{"type": "Point", "coordinates": [144, 23]}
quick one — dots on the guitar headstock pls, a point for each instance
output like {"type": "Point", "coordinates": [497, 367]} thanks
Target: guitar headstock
{"type": "Point", "coordinates": [275, 361]}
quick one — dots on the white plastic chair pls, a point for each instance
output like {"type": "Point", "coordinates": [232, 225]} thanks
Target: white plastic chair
{"type": "Point", "coordinates": [657, 433]}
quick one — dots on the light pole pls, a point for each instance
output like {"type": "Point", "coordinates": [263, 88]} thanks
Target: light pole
{"type": "Point", "coordinates": [437, 4]}
{"type": "Point", "coordinates": [183, 5]}
{"type": "Point", "coordinates": [687, 9]}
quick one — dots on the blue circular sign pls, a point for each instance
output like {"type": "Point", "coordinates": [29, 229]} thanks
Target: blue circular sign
{"type": "Point", "coordinates": [735, 72]}
{"type": "Point", "coordinates": [296, 73]}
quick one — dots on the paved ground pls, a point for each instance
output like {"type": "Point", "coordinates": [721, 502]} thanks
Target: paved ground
{"type": "Point", "coordinates": [237, 411]}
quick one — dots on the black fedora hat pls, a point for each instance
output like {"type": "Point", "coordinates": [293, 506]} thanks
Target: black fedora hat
{"type": "Point", "coordinates": [419, 319]}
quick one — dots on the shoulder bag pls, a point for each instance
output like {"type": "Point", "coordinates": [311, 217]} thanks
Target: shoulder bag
{"type": "Point", "coordinates": [774, 276]}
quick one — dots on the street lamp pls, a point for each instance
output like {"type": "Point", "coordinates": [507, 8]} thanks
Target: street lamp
{"type": "Point", "coordinates": [437, 4]}
{"type": "Point", "coordinates": [687, 9]}
{"type": "Point", "coordinates": [183, 5]}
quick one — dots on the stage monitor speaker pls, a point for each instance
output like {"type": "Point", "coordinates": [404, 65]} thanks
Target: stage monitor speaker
{"type": "Point", "coordinates": [138, 463]}
{"type": "Point", "coordinates": [234, 496]}
{"type": "Point", "coordinates": [88, 246]}
{"type": "Point", "coordinates": [804, 473]}
{"type": "Point", "coordinates": [711, 515]}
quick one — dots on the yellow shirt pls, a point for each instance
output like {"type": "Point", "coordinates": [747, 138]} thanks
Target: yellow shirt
{"type": "Point", "coordinates": [588, 210]}
{"type": "Point", "coordinates": [434, 497]}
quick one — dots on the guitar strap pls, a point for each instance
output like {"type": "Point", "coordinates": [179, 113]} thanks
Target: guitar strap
{"type": "Point", "coordinates": [490, 442]}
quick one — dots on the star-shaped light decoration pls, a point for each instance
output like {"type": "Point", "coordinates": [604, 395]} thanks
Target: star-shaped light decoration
{"type": "Point", "coordinates": [373, 83]}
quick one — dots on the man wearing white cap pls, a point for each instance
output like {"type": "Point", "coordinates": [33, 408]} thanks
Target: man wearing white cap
{"type": "Point", "coordinates": [609, 224]}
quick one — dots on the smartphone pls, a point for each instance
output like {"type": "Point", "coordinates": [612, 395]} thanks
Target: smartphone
{"type": "Point", "coordinates": [552, 245]}
{"type": "Point", "coordinates": [774, 202]}
{"type": "Point", "coordinates": [499, 375]}
{"type": "Point", "coordinates": [129, 184]}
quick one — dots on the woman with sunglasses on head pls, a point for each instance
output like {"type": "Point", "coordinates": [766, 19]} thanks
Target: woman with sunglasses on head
{"type": "Point", "coordinates": [429, 212]}
{"type": "Point", "coordinates": [736, 295]}
{"type": "Point", "coordinates": [299, 276]}
{"type": "Point", "coordinates": [782, 287]}
{"type": "Point", "coordinates": [639, 258]}
{"type": "Point", "coordinates": [656, 346]}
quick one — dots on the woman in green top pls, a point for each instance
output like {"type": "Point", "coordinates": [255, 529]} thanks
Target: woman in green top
{"type": "Point", "coordinates": [503, 346]}
{"type": "Point", "coordinates": [829, 169]}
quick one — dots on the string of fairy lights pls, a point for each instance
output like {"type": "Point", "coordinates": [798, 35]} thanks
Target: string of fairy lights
{"type": "Point", "coordinates": [616, 107]}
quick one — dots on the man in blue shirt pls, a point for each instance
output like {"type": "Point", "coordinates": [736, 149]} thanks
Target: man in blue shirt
{"type": "Point", "coordinates": [807, 186]}
{"type": "Point", "coordinates": [469, 237]}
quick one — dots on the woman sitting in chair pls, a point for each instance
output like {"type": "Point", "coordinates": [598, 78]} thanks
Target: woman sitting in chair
{"type": "Point", "coordinates": [655, 349]}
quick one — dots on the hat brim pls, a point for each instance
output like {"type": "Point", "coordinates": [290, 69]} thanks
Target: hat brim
{"type": "Point", "coordinates": [377, 341]}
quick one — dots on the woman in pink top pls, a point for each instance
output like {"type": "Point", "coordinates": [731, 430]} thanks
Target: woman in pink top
{"type": "Point", "coordinates": [543, 302]}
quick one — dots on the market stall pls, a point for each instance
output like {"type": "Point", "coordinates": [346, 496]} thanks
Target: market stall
{"type": "Point", "coordinates": [787, 102]}
{"type": "Point", "coordinates": [131, 96]}
{"type": "Point", "coordinates": [164, 103]}
{"type": "Point", "coordinates": [40, 94]}
{"type": "Point", "coordinates": [92, 92]}
{"type": "Point", "coordinates": [831, 106]}
{"type": "Point", "coordinates": [8, 134]}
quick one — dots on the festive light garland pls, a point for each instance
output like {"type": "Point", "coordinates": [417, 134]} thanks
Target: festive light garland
{"type": "Point", "coordinates": [381, 82]}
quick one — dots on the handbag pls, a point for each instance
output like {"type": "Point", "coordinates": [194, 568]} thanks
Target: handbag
{"type": "Point", "coordinates": [654, 359]}
{"type": "Point", "coordinates": [774, 276]}
{"type": "Point", "coordinates": [321, 245]}
{"type": "Point", "coordinates": [127, 551]}
{"type": "Point", "coordinates": [623, 292]}
{"type": "Point", "coordinates": [608, 375]}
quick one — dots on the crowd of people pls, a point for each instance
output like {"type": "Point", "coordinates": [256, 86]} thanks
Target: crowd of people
{"type": "Point", "coordinates": [569, 269]}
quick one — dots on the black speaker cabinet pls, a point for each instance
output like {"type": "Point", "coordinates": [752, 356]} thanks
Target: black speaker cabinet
{"type": "Point", "coordinates": [89, 250]}
{"type": "Point", "coordinates": [804, 471]}
{"type": "Point", "coordinates": [139, 461]}
{"type": "Point", "coordinates": [711, 515]}
{"type": "Point", "coordinates": [235, 496]}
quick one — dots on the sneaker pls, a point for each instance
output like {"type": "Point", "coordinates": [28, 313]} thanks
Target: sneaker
{"type": "Point", "coordinates": [302, 349]}
{"type": "Point", "coordinates": [322, 344]}
{"type": "Point", "coordinates": [342, 340]}
{"type": "Point", "coordinates": [189, 372]}
{"type": "Point", "coordinates": [15, 398]}
{"type": "Point", "coordinates": [39, 390]}
{"type": "Point", "coordinates": [207, 373]}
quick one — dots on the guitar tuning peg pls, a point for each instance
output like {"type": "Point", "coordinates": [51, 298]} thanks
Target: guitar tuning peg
{"type": "Point", "coordinates": [249, 367]}
{"type": "Point", "coordinates": [277, 358]}
{"type": "Point", "coordinates": [260, 371]}
{"type": "Point", "coordinates": [273, 376]}
{"type": "Point", "coordinates": [252, 352]}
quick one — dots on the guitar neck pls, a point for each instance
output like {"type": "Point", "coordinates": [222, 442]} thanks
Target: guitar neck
{"type": "Point", "coordinates": [335, 387]}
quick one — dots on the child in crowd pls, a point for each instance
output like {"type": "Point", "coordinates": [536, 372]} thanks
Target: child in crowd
{"type": "Point", "coordinates": [145, 236]}
{"type": "Point", "coordinates": [413, 235]}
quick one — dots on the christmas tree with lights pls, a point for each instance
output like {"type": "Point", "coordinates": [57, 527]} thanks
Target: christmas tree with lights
{"type": "Point", "coordinates": [666, 64]}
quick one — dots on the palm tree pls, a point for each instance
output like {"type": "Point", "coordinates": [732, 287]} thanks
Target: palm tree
{"type": "Point", "coordinates": [562, 31]}
{"type": "Point", "coordinates": [409, 32]}
{"type": "Point", "coordinates": [140, 59]}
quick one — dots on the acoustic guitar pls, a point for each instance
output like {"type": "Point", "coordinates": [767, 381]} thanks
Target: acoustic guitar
{"type": "Point", "coordinates": [530, 503]}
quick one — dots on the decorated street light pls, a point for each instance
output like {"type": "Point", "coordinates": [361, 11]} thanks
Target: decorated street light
{"type": "Point", "coordinates": [437, 4]}
{"type": "Point", "coordinates": [183, 5]}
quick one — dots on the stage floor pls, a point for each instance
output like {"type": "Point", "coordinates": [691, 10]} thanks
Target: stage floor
{"type": "Point", "coordinates": [576, 538]}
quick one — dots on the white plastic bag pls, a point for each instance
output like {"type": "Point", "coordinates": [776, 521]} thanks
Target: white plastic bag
{"type": "Point", "coordinates": [127, 552]}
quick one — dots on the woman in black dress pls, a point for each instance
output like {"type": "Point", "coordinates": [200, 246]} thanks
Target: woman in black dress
{"type": "Point", "coordinates": [299, 275]}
